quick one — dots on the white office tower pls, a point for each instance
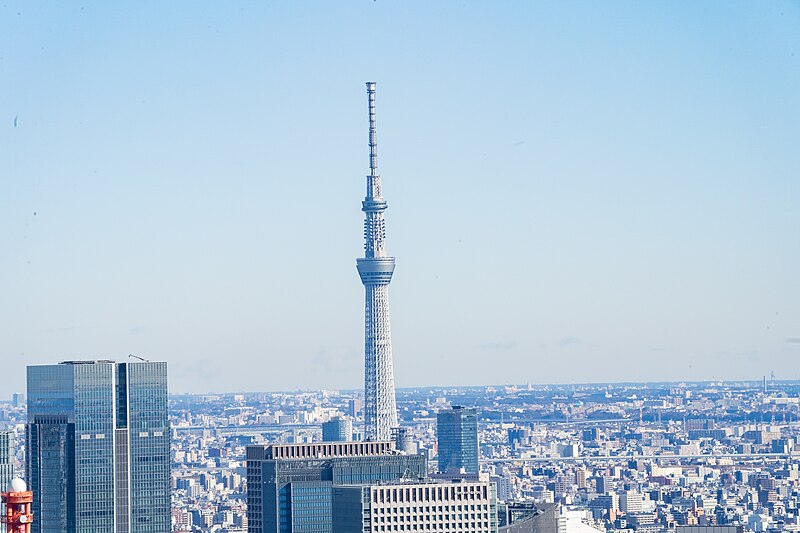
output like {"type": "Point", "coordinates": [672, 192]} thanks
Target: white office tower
{"type": "Point", "coordinates": [375, 269]}
{"type": "Point", "coordinates": [463, 506]}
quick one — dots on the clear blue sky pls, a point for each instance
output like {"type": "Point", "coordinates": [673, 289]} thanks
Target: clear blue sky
{"type": "Point", "coordinates": [578, 191]}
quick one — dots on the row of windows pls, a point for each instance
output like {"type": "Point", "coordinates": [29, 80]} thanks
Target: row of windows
{"type": "Point", "coordinates": [473, 526]}
{"type": "Point", "coordinates": [431, 508]}
{"type": "Point", "coordinates": [422, 494]}
{"type": "Point", "coordinates": [421, 517]}
{"type": "Point", "coordinates": [327, 450]}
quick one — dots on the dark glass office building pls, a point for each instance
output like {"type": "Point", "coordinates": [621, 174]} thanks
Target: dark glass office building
{"type": "Point", "coordinates": [457, 439]}
{"type": "Point", "coordinates": [290, 486]}
{"type": "Point", "coordinates": [98, 447]}
{"type": "Point", "coordinates": [337, 430]}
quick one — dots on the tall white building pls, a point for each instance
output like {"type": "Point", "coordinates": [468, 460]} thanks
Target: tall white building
{"type": "Point", "coordinates": [631, 502]}
{"type": "Point", "coordinates": [375, 269]}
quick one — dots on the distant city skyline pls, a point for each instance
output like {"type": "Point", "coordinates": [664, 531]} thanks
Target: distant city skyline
{"type": "Point", "coordinates": [579, 193]}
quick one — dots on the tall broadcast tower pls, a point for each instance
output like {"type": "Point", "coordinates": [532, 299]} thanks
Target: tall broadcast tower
{"type": "Point", "coordinates": [375, 269]}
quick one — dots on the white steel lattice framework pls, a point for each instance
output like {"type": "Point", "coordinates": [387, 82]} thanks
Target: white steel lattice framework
{"type": "Point", "coordinates": [375, 269]}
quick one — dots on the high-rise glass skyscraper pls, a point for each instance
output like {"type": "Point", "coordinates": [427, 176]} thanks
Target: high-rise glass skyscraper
{"type": "Point", "coordinates": [457, 439]}
{"type": "Point", "coordinates": [375, 269]}
{"type": "Point", "coordinates": [98, 447]}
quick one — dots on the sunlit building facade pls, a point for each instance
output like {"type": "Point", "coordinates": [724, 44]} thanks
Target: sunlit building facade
{"type": "Point", "coordinates": [98, 447]}
{"type": "Point", "coordinates": [452, 507]}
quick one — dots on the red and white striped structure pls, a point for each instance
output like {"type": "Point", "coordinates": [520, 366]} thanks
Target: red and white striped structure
{"type": "Point", "coordinates": [18, 500]}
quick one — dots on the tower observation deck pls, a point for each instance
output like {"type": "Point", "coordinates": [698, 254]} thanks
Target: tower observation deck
{"type": "Point", "coordinates": [375, 269]}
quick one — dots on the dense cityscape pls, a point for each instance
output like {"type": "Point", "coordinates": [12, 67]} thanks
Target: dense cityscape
{"type": "Point", "coordinates": [616, 457]}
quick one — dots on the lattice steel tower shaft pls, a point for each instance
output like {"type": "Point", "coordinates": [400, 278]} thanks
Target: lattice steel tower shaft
{"type": "Point", "coordinates": [375, 269]}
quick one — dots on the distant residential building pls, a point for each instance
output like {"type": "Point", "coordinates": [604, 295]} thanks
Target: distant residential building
{"type": "Point", "coordinates": [570, 450]}
{"type": "Point", "coordinates": [630, 502]}
{"type": "Point", "coordinates": [709, 529]}
{"type": "Point", "coordinates": [590, 435]}
{"type": "Point", "coordinates": [607, 502]}
{"type": "Point", "coordinates": [718, 434]}
{"type": "Point", "coordinates": [762, 436]}
{"type": "Point", "coordinates": [580, 477]}
{"type": "Point", "coordinates": [17, 399]}
{"type": "Point", "coordinates": [693, 448]}
{"type": "Point", "coordinates": [462, 506]}
{"type": "Point", "coordinates": [784, 446]}
{"type": "Point", "coordinates": [561, 486]}
{"type": "Point", "coordinates": [519, 436]}
{"type": "Point", "coordinates": [355, 407]}
{"type": "Point", "coordinates": [699, 423]}
{"type": "Point", "coordinates": [457, 439]}
{"type": "Point", "coordinates": [98, 447]}
{"type": "Point", "coordinates": [504, 489]}
{"type": "Point", "coordinates": [337, 430]}
{"type": "Point", "coordinates": [181, 520]}
{"type": "Point", "coordinates": [604, 484]}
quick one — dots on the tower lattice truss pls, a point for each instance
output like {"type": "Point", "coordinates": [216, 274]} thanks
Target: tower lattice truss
{"type": "Point", "coordinates": [375, 269]}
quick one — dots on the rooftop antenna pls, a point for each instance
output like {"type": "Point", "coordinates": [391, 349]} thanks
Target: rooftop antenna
{"type": "Point", "coordinates": [139, 358]}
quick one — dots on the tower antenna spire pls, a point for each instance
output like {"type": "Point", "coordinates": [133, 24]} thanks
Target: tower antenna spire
{"type": "Point", "coordinates": [376, 269]}
{"type": "Point", "coordinates": [373, 141]}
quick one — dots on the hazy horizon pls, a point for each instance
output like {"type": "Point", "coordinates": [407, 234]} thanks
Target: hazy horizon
{"type": "Point", "coordinates": [577, 192]}
{"type": "Point", "coordinates": [773, 384]}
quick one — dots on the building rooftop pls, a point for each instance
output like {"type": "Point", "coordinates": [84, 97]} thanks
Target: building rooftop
{"type": "Point", "coordinates": [90, 362]}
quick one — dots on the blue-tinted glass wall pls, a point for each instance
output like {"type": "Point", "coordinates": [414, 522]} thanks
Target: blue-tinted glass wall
{"type": "Point", "coordinates": [51, 447]}
{"type": "Point", "coordinates": [457, 439]}
{"type": "Point", "coordinates": [96, 431]}
{"type": "Point", "coordinates": [148, 430]}
{"type": "Point", "coordinates": [337, 430]}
